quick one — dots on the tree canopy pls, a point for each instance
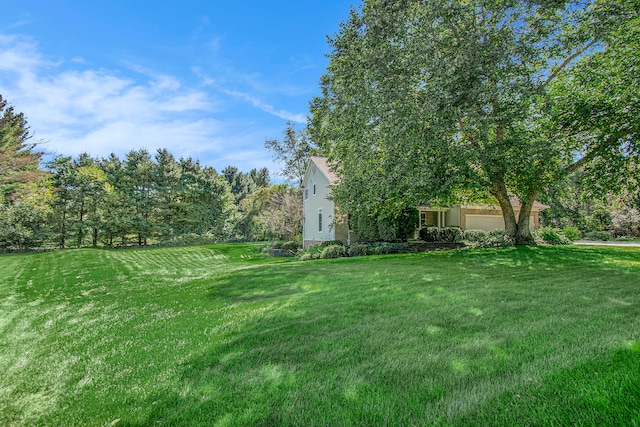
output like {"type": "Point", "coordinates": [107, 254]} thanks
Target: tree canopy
{"type": "Point", "coordinates": [442, 101]}
{"type": "Point", "coordinates": [18, 160]}
{"type": "Point", "coordinates": [294, 151]}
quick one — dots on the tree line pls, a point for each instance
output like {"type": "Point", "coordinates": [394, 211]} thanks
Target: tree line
{"type": "Point", "coordinates": [139, 199]}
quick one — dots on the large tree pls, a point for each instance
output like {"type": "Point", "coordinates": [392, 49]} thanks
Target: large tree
{"type": "Point", "coordinates": [18, 159]}
{"type": "Point", "coordinates": [445, 100]}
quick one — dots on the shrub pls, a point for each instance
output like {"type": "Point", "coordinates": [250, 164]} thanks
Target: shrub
{"type": "Point", "coordinates": [450, 234]}
{"type": "Point", "coordinates": [384, 248]}
{"type": "Point", "coordinates": [291, 246]}
{"type": "Point", "coordinates": [495, 238]}
{"type": "Point", "coordinates": [571, 233]}
{"type": "Point", "coordinates": [331, 243]}
{"type": "Point", "coordinates": [446, 234]}
{"type": "Point", "coordinates": [280, 253]}
{"type": "Point", "coordinates": [332, 251]}
{"type": "Point", "coordinates": [475, 235]}
{"type": "Point", "coordinates": [358, 249]}
{"type": "Point", "coordinates": [379, 249]}
{"type": "Point", "coordinates": [496, 232]}
{"type": "Point", "coordinates": [549, 235]}
{"type": "Point", "coordinates": [308, 256]}
{"type": "Point", "coordinates": [430, 234]}
{"type": "Point", "coordinates": [598, 235]}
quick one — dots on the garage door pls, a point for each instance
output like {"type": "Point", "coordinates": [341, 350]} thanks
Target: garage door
{"type": "Point", "coordinates": [488, 222]}
{"type": "Point", "coordinates": [484, 222]}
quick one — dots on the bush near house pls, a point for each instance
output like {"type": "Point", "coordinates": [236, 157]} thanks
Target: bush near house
{"type": "Point", "coordinates": [475, 235]}
{"type": "Point", "coordinates": [445, 234]}
{"type": "Point", "coordinates": [333, 251]}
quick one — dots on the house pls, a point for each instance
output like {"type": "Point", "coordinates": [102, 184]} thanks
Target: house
{"type": "Point", "coordinates": [323, 220]}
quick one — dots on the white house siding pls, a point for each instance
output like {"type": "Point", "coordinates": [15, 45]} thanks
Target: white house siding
{"type": "Point", "coordinates": [312, 204]}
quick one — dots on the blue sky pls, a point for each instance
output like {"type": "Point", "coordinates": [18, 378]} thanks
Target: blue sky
{"type": "Point", "coordinates": [206, 79]}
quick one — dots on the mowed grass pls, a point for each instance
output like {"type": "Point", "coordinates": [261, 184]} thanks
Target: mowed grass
{"type": "Point", "coordinates": [221, 336]}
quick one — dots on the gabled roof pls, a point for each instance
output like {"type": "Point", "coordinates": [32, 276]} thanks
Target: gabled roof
{"type": "Point", "coordinates": [322, 165]}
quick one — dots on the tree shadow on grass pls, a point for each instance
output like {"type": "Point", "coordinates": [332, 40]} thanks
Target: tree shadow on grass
{"type": "Point", "coordinates": [304, 359]}
{"type": "Point", "coordinates": [260, 284]}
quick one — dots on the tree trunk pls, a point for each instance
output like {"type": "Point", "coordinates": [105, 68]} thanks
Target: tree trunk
{"type": "Point", "coordinates": [95, 237]}
{"type": "Point", "coordinates": [523, 235]}
{"type": "Point", "coordinates": [80, 230]}
{"type": "Point", "coordinates": [509, 216]}
{"type": "Point", "coordinates": [63, 230]}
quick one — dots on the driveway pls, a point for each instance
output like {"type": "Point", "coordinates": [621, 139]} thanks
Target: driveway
{"type": "Point", "coordinates": [601, 243]}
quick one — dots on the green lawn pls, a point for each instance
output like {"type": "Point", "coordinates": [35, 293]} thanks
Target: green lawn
{"type": "Point", "coordinates": [221, 336]}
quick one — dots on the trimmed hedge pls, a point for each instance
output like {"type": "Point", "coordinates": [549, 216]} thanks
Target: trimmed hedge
{"type": "Point", "coordinates": [445, 234]}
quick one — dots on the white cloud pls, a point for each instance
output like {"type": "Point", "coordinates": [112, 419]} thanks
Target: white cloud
{"type": "Point", "coordinates": [74, 108]}
{"type": "Point", "coordinates": [100, 111]}
{"type": "Point", "coordinates": [299, 118]}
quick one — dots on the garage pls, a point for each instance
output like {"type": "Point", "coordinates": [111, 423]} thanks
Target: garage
{"type": "Point", "coordinates": [484, 222]}
{"type": "Point", "coordinates": [488, 222]}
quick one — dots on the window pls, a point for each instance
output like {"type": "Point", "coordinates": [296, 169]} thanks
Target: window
{"type": "Point", "coordinates": [320, 220]}
{"type": "Point", "coordinates": [306, 193]}
{"type": "Point", "coordinates": [314, 189]}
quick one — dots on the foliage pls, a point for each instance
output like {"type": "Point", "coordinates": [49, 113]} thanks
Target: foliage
{"type": "Point", "coordinates": [572, 203]}
{"type": "Point", "coordinates": [278, 212]}
{"type": "Point", "coordinates": [552, 236]}
{"type": "Point", "coordinates": [18, 159]}
{"type": "Point", "coordinates": [309, 256]}
{"type": "Point", "coordinates": [430, 234]}
{"type": "Point", "coordinates": [390, 226]}
{"type": "Point", "coordinates": [597, 235]}
{"type": "Point", "coordinates": [571, 233]}
{"type": "Point", "coordinates": [25, 220]}
{"type": "Point", "coordinates": [332, 251]}
{"type": "Point", "coordinates": [475, 235]}
{"type": "Point", "coordinates": [331, 243]}
{"type": "Point", "coordinates": [495, 238]}
{"type": "Point", "coordinates": [444, 234]}
{"type": "Point", "coordinates": [358, 249]}
{"type": "Point", "coordinates": [432, 101]}
{"type": "Point", "coordinates": [295, 151]}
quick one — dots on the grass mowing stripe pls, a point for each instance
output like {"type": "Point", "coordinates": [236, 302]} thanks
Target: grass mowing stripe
{"type": "Point", "coordinates": [498, 337]}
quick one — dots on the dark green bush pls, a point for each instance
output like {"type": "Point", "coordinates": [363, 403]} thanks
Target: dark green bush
{"type": "Point", "coordinates": [430, 234]}
{"type": "Point", "coordinates": [445, 234]}
{"type": "Point", "coordinates": [331, 243]}
{"type": "Point", "coordinates": [597, 235]}
{"type": "Point", "coordinates": [450, 234]}
{"type": "Point", "coordinates": [407, 223]}
{"type": "Point", "coordinates": [333, 251]}
{"type": "Point", "coordinates": [475, 235]}
{"type": "Point", "coordinates": [358, 249]}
